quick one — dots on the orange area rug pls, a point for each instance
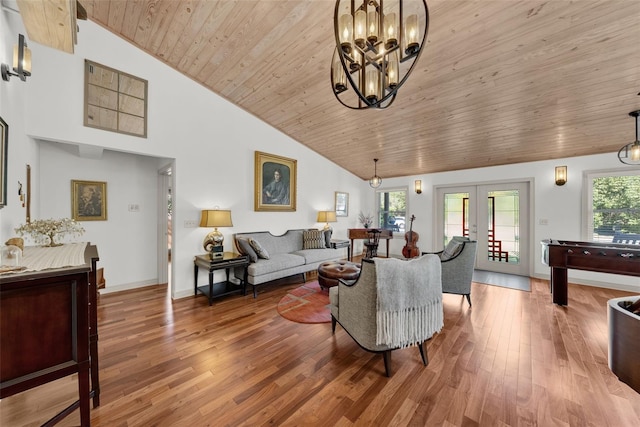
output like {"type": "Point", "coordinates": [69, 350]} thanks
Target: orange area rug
{"type": "Point", "coordinates": [306, 304]}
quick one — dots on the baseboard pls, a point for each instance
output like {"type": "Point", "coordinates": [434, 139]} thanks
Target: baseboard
{"type": "Point", "coordinates": [128, 286]}
{"type": "Point", "coordinates": [597, 284]}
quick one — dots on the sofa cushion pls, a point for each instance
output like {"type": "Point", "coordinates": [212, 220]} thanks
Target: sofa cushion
{"type": "Point", "coordinates": [262, 252]}
{"type": "Point", "coordinates": [314, 255]}
{"type": "Point", "coordinates": [288, 242]}
{"type": "Point", "coordinates": [313, 239]}
{"type": "Point", "coordinates": [246, 249]}
{"type": "Point", "coordinates": [277, 262]}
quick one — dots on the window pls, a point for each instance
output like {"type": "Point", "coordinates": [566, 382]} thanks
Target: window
{"type": "Point", "coordinates": [114, 100]}
{"type": "Point", "coordinates": [613, 204]}
{"type": "Point", "coordinates": [391, 209]}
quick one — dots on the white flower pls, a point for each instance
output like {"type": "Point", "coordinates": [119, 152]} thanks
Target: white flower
{"type": "Point", "coordinates": [44, 230]}
{"type": "Point", "coordinates": [366, 220]}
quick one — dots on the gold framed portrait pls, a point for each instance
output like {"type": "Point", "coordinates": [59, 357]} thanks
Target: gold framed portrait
{"type": "Point", "coordinates": [88, 200]}
{"type": "Point", "coordinates": [275, 183]}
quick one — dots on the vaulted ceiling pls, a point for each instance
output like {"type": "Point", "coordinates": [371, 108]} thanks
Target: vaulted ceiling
{"type": "Point", "coordinates": [499, 82]}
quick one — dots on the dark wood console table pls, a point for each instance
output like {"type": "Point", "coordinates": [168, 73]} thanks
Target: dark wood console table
{"type": "Point", "coordinates": [561, 255]}
{"type": "Point", "coordinates": [363, 233]}
{"type": "Point", "coordinates": [55, 312]}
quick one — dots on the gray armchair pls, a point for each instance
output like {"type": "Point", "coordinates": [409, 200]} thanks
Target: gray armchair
{"type": "Point", "coordinates": [458, 260]}
{"type": "Point", "coordinates": [389, 293]}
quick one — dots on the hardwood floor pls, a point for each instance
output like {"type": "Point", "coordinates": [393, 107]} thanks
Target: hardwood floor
{"type": "Point", "coordinates": [514, 359]}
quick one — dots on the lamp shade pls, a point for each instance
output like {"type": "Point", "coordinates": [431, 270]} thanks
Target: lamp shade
{"type": "Point", "coordinates": [215, 218]}
{"type": "Point", "coordinates": [327, 216]}
{"type": "Point", "coordinates": [561, 175]}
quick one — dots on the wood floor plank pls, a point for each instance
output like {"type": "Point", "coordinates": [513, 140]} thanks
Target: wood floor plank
{"type": "Point", "coordinates": [513, 359]}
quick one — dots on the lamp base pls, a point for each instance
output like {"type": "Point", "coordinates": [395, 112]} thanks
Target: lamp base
{"type": "Point", "coordinates": [216, 252]}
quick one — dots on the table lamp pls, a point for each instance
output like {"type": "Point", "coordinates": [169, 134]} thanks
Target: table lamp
{"type": "Point", "coordinates": [327, 217]}
{"type": "Point", "coordinates": [213, 242]}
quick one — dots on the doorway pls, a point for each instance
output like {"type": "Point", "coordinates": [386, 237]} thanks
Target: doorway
{"type": "Point", "coordinates": [494, 214]}
{"type": "Point", "coordinates": [165, 226]}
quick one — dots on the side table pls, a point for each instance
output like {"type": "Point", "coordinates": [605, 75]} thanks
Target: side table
{"type": "Point", "coordinates": [227, 261]}
{"type": "Point", "coordinates": [335, 244]}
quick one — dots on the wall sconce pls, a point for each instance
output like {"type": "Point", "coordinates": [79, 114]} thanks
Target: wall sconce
{"type": "Point", "coordinates": [21, 61]}
{"type": "Point", "coordinates": [213, 242]}
{"type": "Point", "coordinates": [418, 186]}
{"type": "Point", "coordinates": [561, 175]}
{"type": "Point", "coordinates": [327, 216]}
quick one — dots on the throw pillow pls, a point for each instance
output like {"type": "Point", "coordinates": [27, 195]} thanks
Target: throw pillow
{"type": "Point", "coordinates": [262, 252]}
{"type": "Point", "coordinates": [313, 239]}
{"type": "Point", "coordinates": [246, 249]}
{"type": "Point", "coordinates": [327, 238]}
{"type": "Point", "coordinates": [452, 250]}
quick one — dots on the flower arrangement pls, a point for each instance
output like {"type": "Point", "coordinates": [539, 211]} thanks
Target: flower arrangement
{"type": "Point", "coordinates": [365, 220]}
{"type": "Point", "coordinates": [45, 231]}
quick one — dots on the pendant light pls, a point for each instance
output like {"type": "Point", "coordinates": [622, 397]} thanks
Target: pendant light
{"type": "Point", "coordinates": [630, 153]}
{"type": "Point", "coordinates": [376, 180]}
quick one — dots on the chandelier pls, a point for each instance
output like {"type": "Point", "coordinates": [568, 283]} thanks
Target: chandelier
{"type": "Point", "coordinates": [630, 153]}
{"type": "Point", "coordinates": [378, 43]}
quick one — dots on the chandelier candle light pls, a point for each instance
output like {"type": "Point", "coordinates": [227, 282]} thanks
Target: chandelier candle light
{"type": "Point", "coordinates": [378, 43]}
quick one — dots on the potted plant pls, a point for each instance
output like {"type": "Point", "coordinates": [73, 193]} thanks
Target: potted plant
{"type": "Point", "coordinates": [45, 231]}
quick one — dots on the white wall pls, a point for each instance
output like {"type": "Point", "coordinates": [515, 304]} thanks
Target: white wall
{"type": "Point", "coordinates": [127, 241]}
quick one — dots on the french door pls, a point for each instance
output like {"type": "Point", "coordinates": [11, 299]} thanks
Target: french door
{"type": "Point", "coordinates": [496, 215]}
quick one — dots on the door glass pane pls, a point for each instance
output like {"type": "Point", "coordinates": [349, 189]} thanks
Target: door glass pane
{"type": "Point", "coordinates": [503, 226]}
{"type": "Point", "coordinates": [456, 216]}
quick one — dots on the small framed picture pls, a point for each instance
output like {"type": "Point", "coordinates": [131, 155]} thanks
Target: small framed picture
{"type": "Point", "coordinates": [275, 188]}
{"type": "Point", "coordinates": [88, 200]}
{"type": "Point", "coordinates": [342, 203]}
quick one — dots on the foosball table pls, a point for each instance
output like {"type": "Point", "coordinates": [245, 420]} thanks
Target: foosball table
{"type": "Point", "coordinates": [562, 255]}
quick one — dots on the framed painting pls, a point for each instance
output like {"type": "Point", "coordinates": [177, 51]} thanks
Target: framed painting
{"type": "Point", "coordinates": [342, 203]}
{"type": "Point", "coordinates": [88, 200]}
{"type": "Point", "coordinates": [4, 146]}
{"type": "Point", "coordinates": [275, 183]}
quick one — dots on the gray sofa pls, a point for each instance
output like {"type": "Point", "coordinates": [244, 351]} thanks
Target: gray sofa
{"type": "Point", "coordinates": [286, 256]}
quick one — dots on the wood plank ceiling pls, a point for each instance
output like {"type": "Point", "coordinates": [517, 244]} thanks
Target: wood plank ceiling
{"type": "Point", "coordinates": [500, 81]}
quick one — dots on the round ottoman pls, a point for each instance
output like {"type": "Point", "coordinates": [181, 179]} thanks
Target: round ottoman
{"type": "Point", "coordinates": [329, 272]}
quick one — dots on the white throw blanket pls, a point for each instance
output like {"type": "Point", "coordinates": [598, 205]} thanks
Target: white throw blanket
{"type": "Point", "coordinates": [36, 258]}
{"type": "Point", "coordinates": [409, 300]}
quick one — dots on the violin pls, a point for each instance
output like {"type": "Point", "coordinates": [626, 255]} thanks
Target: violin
{"type": "Point", "coordinates": [410, 249]}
